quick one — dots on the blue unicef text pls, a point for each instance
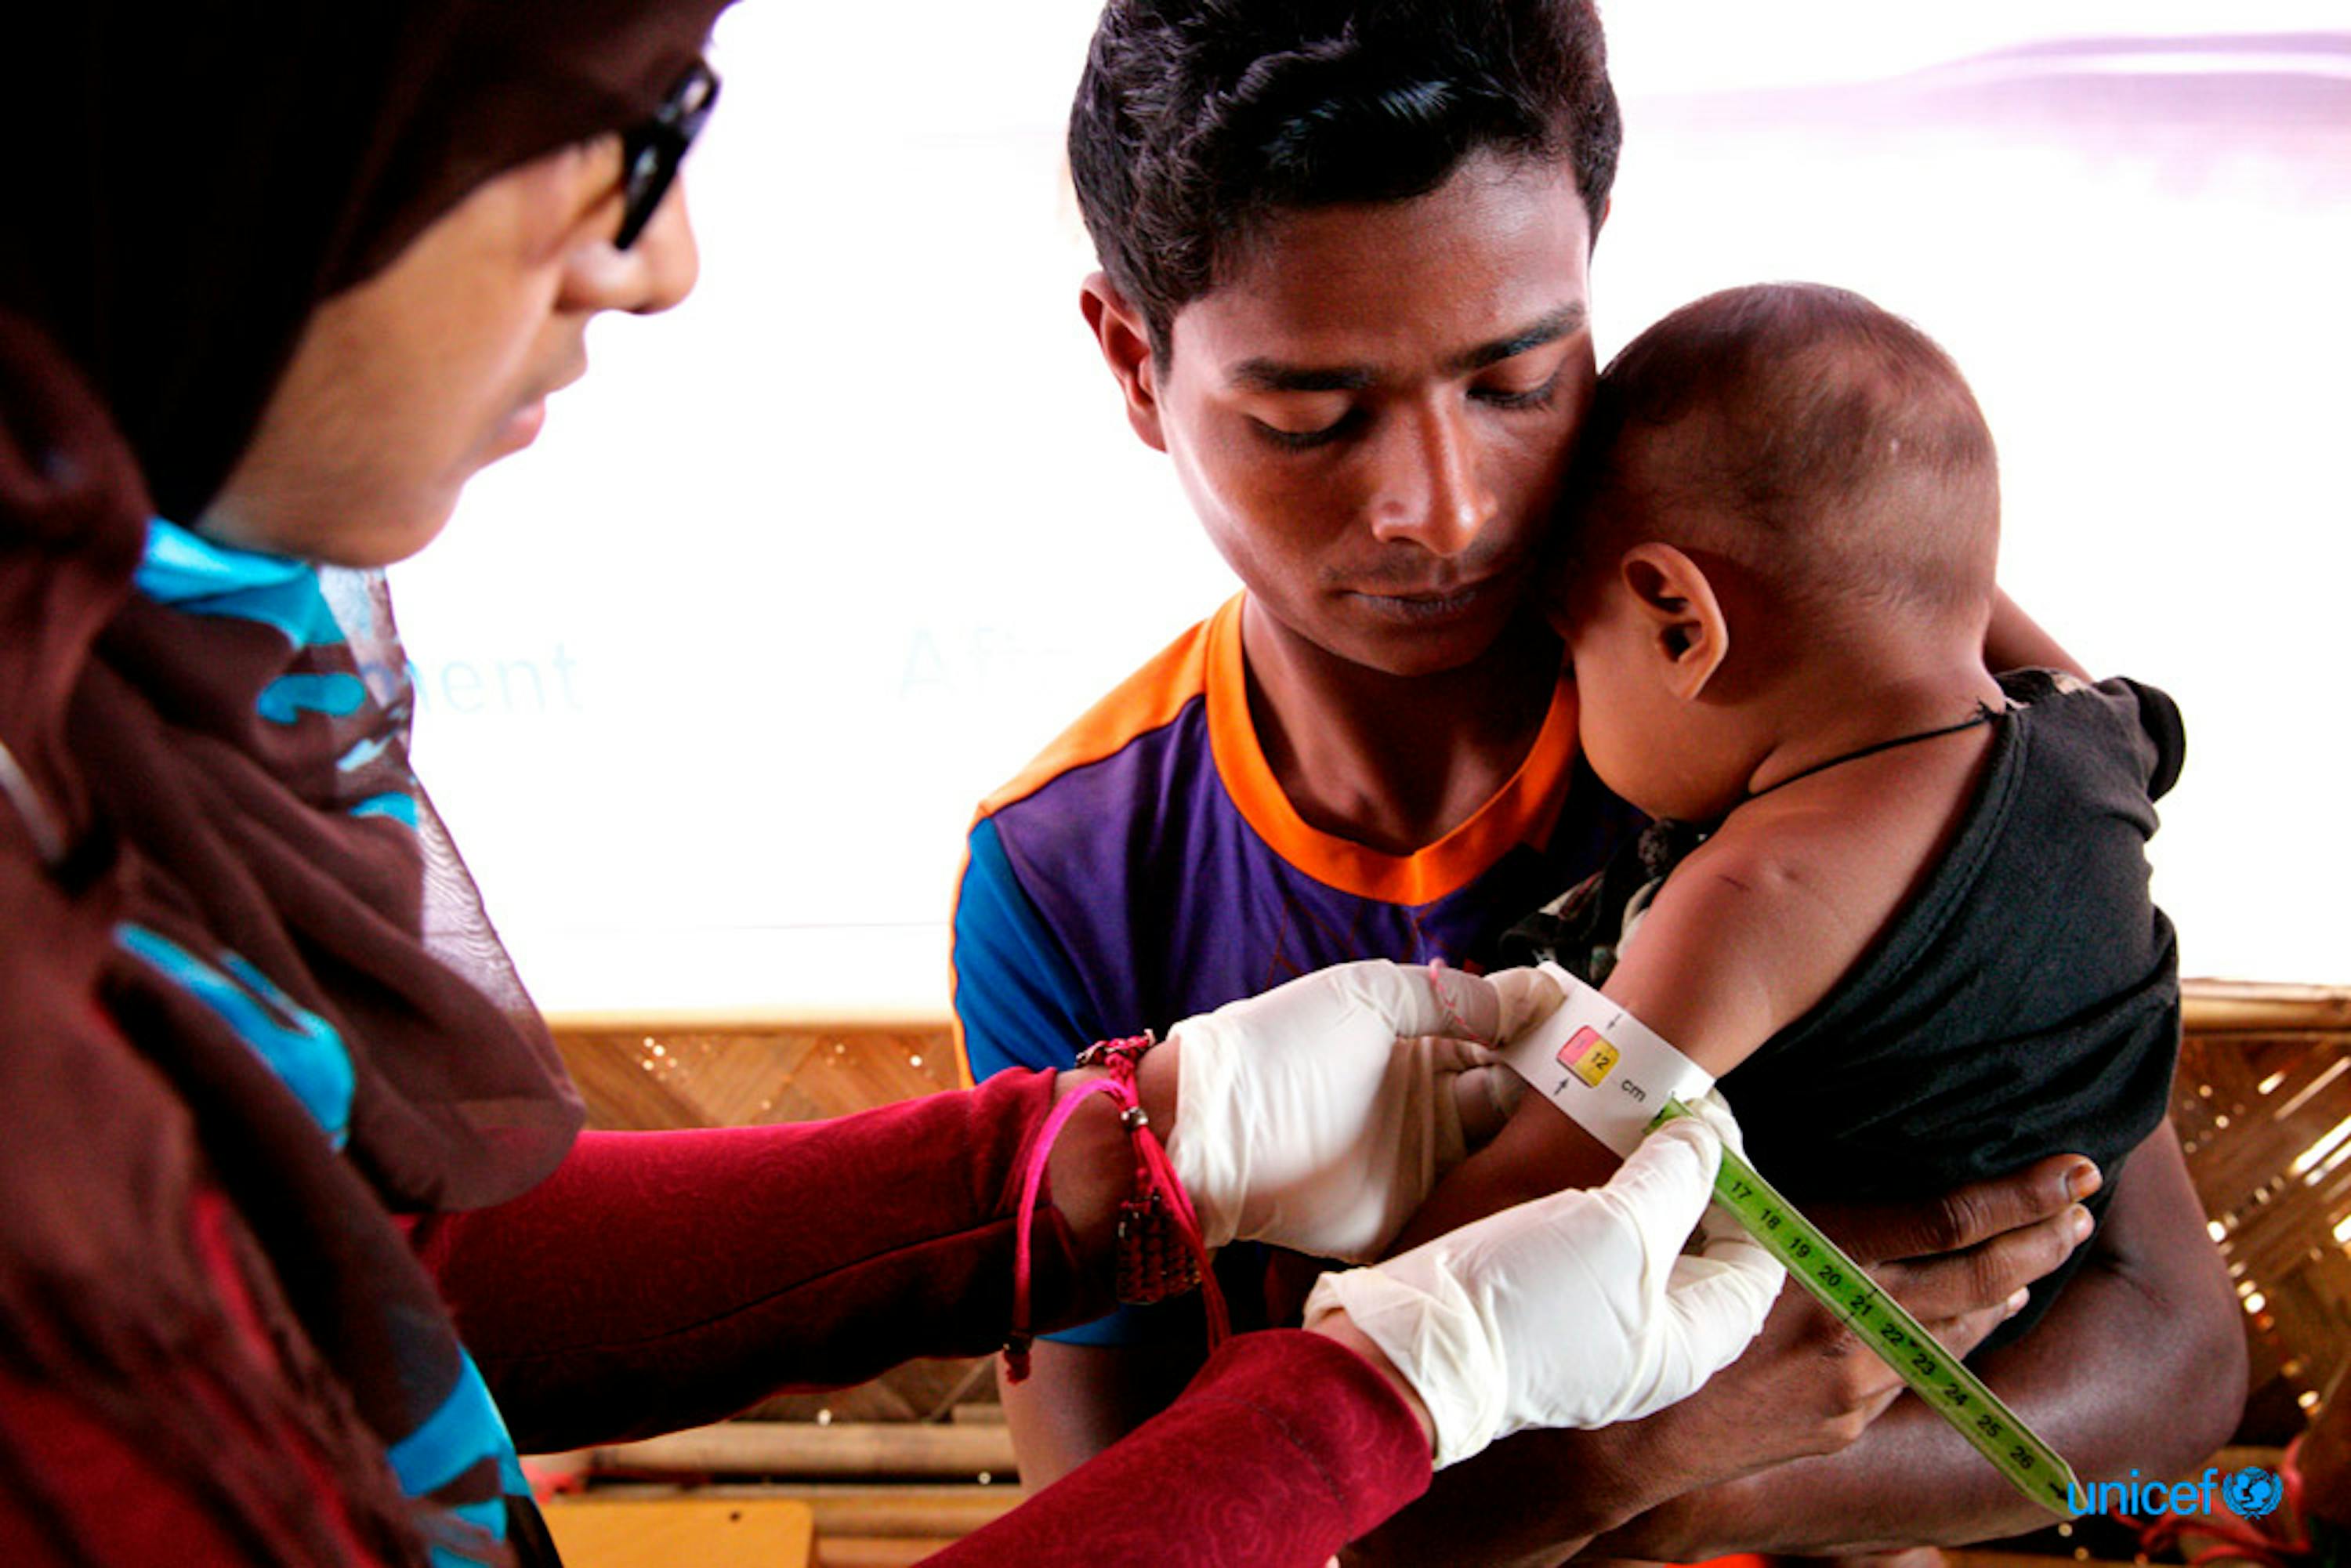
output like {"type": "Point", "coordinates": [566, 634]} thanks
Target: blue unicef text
{"type": "Point", "coordinates": [2250, 1493]}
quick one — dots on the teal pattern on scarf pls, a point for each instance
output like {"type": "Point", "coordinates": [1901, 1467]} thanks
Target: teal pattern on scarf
{"type": "Point", "coordinates": [303, 1048]}
{"type": "Point", "coordinates": [199, 577]}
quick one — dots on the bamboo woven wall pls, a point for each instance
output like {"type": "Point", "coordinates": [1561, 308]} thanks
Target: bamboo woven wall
{"type": "Point", "coordinates": [2262, 1102]}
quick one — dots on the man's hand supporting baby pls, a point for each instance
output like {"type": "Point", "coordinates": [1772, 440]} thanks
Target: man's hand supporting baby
{"type": "Point", "coordinates": [1665, 1487]}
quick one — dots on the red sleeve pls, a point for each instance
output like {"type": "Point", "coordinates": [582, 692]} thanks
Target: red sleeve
{"type": "Point", "coordinates": [664, 1280]}
{"type": "Point", "coordinates": [1284, 1449]}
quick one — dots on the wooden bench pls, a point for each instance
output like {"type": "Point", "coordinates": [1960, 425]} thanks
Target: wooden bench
{"type": "Point", "coordinates": [682, 1533]}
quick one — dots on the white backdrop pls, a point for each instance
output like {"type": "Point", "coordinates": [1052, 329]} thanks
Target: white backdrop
{"type": "Point", "coordinates": [712, 678]}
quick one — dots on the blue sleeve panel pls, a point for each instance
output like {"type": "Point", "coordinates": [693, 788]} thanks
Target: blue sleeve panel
{"type": "Point", "coordinates": [1017, 993]}
{"type": "Point", "coordinates": [1021, 1004]}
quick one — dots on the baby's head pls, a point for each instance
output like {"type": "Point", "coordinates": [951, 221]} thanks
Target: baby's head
{"type": "Point", "coordinates": [1786, 498]}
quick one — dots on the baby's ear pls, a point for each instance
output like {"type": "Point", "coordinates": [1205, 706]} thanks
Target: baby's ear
{"type": "Point", "coordinates": [1688, 631]}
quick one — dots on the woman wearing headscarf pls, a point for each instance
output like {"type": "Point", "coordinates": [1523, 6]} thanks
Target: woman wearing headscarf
{"type": "Point", "coordinates": [299, 1234]}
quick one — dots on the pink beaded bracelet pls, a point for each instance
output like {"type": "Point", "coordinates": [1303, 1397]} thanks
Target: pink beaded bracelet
{"type": "Point", "coordinates": [1161, 1253]}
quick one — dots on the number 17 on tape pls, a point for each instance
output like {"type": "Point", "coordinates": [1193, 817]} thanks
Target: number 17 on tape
{"type": "Point", "coordinates": [1854, 1299]}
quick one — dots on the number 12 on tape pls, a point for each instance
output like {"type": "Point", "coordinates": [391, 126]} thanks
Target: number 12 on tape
{"type": "Point", "coordinates": [1853, 1299]}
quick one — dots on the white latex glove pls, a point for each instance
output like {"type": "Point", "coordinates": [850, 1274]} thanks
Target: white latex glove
{"type": "Point", "coordinates": [1318, 1115]}
{"type": "Point", "coordinates": [1717, 1223]}
{"type": "Point", "coordinates": [1528, 997]}
{"type": "Point", "coordinates": [1489, 1095]}
{"type": "Point", "coordinates": [1575, 1310]}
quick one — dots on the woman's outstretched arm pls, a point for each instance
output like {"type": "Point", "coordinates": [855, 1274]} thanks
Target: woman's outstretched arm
{"type": "Point", "coordinates": [666, 1279]}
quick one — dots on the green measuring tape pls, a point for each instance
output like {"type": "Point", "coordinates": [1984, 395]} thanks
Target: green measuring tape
{"type": "Point", "coordinates": [1854, 1299]}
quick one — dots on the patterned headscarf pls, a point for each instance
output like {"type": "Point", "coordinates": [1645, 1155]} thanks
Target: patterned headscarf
{"type": "Point", "coordinates": [250, 1008]}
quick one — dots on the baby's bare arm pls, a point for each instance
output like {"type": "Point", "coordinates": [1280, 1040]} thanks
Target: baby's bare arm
{"type": "Point", "coordinates": [1538, 1152]}
{"type": "Point", "coordinates": [1703, 974]}
{"type": "Point", "coordinates": [1744, 939]}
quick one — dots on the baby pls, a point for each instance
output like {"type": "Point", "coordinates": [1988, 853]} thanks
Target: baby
{"type": "Point", "coordinates": [1900, 907]}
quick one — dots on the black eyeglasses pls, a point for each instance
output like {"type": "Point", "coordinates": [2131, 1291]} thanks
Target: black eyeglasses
{"type": "Point", "coordinates": [650, 153]}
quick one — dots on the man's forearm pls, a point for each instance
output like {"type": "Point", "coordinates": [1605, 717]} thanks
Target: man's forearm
{"type": "Point", "coordinates": [1804, 1387]}
{"type": "Point", "coordinates": [2138, 1365]}
{"type": "Point", "coordinates": [1912, 1480]}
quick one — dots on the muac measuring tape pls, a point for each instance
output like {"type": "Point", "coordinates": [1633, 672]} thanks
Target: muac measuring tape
{"type": "Point", "coordinates": [1619, 1082]}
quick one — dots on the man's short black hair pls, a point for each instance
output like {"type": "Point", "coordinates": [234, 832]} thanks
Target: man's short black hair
{"type": "Point", "coordinates": [1197, 120]}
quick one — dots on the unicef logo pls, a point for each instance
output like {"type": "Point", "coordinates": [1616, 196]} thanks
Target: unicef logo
{"type": "Point", "coordinates": [2253, 1492]}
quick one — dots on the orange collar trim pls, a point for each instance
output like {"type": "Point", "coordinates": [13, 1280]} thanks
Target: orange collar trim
{"type": "Point", "coordinates": [1522, 812]}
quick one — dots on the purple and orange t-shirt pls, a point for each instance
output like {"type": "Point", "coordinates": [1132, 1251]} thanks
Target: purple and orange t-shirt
{"type": "Point", "coordinates": [1148, 866]}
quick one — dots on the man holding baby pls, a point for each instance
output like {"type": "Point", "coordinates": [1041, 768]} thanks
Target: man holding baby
{"type": "Point", "coordinates": [1346, 288]}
